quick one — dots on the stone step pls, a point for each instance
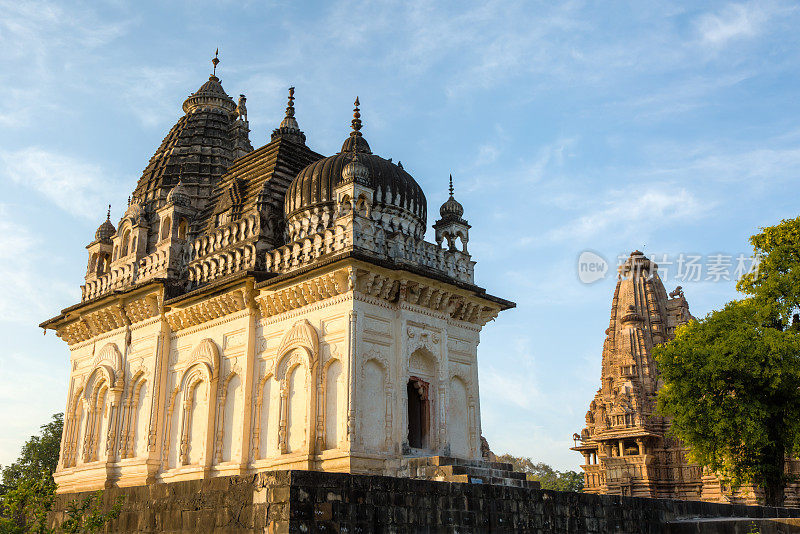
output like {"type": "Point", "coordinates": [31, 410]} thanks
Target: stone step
{"type": "Point", "coordinates": [449, 469]}
{"type": "Point", "coordinates": [448, 460]}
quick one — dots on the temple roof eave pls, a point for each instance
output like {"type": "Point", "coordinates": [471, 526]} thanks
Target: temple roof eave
{"type": "Point", "coordinates": [69, 314]}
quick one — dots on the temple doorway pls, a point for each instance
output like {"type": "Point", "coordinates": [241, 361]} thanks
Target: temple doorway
{"type": "Point", "coordinates": [418, 413]}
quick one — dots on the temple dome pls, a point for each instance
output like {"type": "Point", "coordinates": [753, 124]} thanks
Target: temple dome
{"type": "Point", "coordinates": [210, 95]}
{"type": "Point", "coordinates": [179, 195]}
{"type": "Point", "coordinates": [314, 186]}
{"type": "Point", "coordinates": [105, 231]}
{"type": "Point", "coordinates": [451, 209]}
{"type": "Point", "coordinates": [198, 149]}
{"type": "Point", "coordinates": [393, 186]}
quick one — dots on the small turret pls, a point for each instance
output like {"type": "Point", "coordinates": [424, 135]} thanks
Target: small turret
{"type": "Point", "coordinates": [452, 225]}
{"type": "Point", "coordinates": [100, 249]}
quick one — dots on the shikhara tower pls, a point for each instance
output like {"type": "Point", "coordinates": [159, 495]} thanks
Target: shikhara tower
{"type": "Point", "coordinates": [625, 444]}
{"type": "Point", "coordinates": [270, 309]}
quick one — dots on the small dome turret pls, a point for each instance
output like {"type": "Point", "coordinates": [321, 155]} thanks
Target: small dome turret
{"type": "Point", "coordinates": [452, 225]}
{"type": "Point", "coordinates": [355, 171]}
{"type": "Point", "coordinates": [105, 230]}
{"type": "Point", "coordinates": [452, 208]}
{"type": "Point", "coordinates": [179, 195]}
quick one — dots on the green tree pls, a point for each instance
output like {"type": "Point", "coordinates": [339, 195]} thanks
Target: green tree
{"type": "Point", "coordinates": [27, 491]}
{"type": "Point", "coordinates": [732, 379]}
{"type": "Point", "coordinates": [548, 477]}
{"type": "Point", "coordinates": [39, 455]}
{"type": "Point", "coordinates": [25, 506]}
{"type": "Point", "coordinates": [87, 516]}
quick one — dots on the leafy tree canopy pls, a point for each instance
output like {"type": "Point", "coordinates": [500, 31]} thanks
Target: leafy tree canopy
{"type": "Point", "coordinates": [548, 477]}
{"type": "Point", "coordinates": [732, 379]}
{"type": "Point", "coordinates": [775, 285]}
{"type": "Point", "coordinates": [39, 455]}
{"type": "Point", "coordinates": [28, 490]}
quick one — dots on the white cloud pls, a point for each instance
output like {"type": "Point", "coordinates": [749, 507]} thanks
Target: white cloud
{"type": "Point", "coordinates": [25, 298]}
{"type": "Point", "coordinates": [80, 188]}
{"type": "Point", "coordinates": [734, 21]}
{"type": "Point", "coordinates": [48, 46]}
{"type": "Point", "coordinates": [631, 212]}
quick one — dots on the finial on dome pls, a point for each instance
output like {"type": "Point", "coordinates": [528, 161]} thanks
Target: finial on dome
{"type": "Point", "coordinates": [108, 213]}
{"type": "Point", "coordinates": [356, 122]}
{"type": "Point", "coordinates": [290, 105]}
{"type": "Point", "coordinates": [451, 186]}
{"type": "Point", "coordinates": [215, 62]}
{"type": "Point", "coordinates": [289, 127]}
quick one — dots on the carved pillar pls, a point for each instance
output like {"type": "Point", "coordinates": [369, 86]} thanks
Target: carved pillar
{"type": "Point", "coordinates": [283, 418]}
{"type": "Point", "coordinates": [220, 426]}
{"type": "Point", "coordinates": [351, 380]}
{"type": "Point", "coordinates": [387, 388]}
{"type": "Point", "coordinates": [114, 413]}
{"type": "Point", "coordinates": [184, 434]}
{"type": "Point", "coordinates": [250, 380]}
{"type": "Point", "coordinates": [441, 411]}
{"type": "Point", "coordinates": [320, 403]}
{"type": "Point", "coordinates": [157, 431]}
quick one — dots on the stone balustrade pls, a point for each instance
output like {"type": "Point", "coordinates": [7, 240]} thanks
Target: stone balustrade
{"type": "Point", "coordinates": [233, 248]}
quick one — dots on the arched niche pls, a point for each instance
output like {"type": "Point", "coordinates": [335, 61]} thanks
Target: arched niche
{"type": "Point", "coordinates": [296, 372]}
{"type": "Point", "coordinates": [206, 352]}
{"type": "Point", "coordinates": [301, 334]}
{"type": "Point", "coordinates": [110, 358]}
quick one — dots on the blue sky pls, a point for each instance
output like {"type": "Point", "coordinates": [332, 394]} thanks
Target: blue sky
{"type": "Point", "coordinates": [608, 126]}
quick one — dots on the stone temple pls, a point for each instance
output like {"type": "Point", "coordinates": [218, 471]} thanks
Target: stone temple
{"type": "Point", "coordinates": [270, 308]}
{"type": "Point", "coordinates": [626, 445]}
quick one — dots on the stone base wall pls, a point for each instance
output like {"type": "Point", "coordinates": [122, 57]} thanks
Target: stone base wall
{"type": "Point", "coordinates": [313, 501]}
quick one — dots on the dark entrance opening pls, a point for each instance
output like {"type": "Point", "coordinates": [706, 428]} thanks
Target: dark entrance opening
{"type": "Point", "coordinates": [418, 413]}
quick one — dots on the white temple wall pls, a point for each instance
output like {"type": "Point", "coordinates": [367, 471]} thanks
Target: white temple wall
{"type": "Point", "coordinates": [411, 342]}
{"type": "Point", "coordinates": [322, 384]}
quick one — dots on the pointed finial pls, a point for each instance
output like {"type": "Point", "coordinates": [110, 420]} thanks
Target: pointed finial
{"type": "Point", "coordinates": [290, 105]}
{"type": "Point", "coordinates": [129, 201]}
{"type": "Point", "coordinates": [215, 61]}
{"type": "Point", "coordinates": [451, 186]}
{"type": "Point", "coordinates": [356, 122]}
{"type": "Point", "coordinates": [108, 213]}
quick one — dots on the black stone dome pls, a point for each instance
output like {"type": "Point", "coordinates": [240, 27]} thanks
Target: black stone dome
{"type": "Point", "coordinates": [105, 231]}
{"type": "Point", "coordinates": [314, 185]}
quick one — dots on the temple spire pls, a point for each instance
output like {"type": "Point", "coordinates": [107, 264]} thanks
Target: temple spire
{"type": "Point", "coordinates": [290, 105]}
{"type": "Point", "coordinates": [289, 127]}
{"type": "Point", "coordinates": [215, 62]}
{"type": "Point", "coordinates": [356, 122]}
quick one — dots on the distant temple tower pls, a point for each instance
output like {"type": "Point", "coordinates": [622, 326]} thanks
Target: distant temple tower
{"type": "Point", "coordinates": [625, 444]}
{"type": "Point", "coordinates": [270, 309]}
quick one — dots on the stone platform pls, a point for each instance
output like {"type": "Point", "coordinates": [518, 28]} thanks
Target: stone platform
{"type": "Point", "coordinates": [313, 501]}
{"type": "Point", "coordinates": [447, 469]}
